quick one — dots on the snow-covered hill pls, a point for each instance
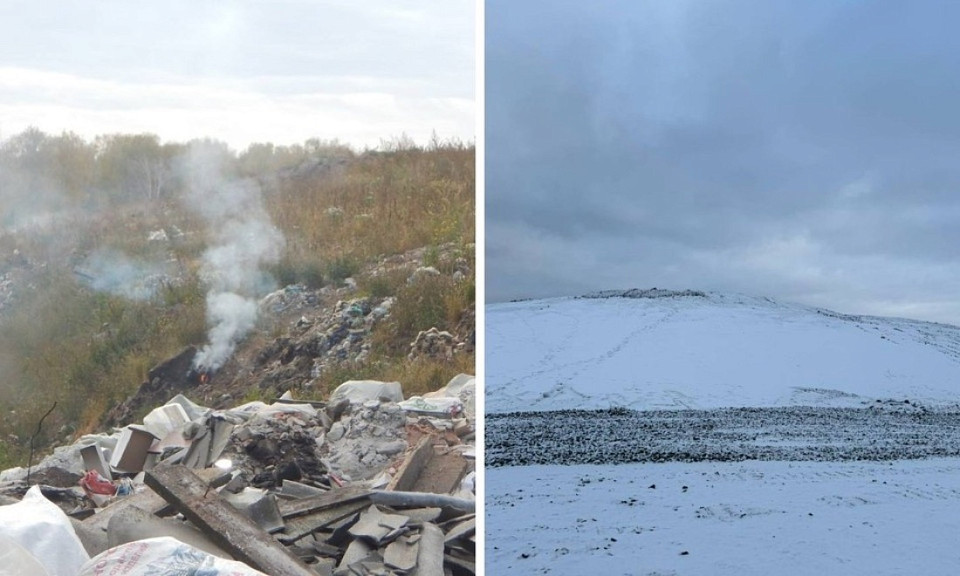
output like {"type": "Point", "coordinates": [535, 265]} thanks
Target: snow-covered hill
{"type": "Point", "coordinates": [656, 349]}
{"type": "Point", "coordinates": [749, 437]}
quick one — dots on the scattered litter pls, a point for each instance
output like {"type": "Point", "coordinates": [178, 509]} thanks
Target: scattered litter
{"type": "Point", "coordinates": [365, 483]}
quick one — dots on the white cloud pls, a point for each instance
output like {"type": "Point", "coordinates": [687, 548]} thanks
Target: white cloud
{"type": "Point", "coordinates": [229, 110]}
{"type": "Point", "coordinates": [241, 71]}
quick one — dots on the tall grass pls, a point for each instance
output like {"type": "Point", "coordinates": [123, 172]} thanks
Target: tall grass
{"type": "Point", "coordinates": [381, 203]}
{"type": "Point", "coordinates": [87, 350]}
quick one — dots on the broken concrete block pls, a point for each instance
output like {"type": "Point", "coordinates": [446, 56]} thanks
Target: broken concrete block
{"type": "Point", "coordinates": [94, 540]}
{"type": "Point", "coordinates": [266, 514]}
{"type": "Point", "coordinates": [357, 550]}
{"type": "Point", "coordinates": [324, 549]}
{"type": "Point", "coordinates": [236, 484]}
{"type": "Point", "coordinates": [430, 554]}
{"type": "Point", "coordinates": [324, 566]}
{"type": "Point", "coordinates": [401, 554]}
{"type": "Point", "coordinates": [165, 419]}
{"type": "Point", "coordinates": [131, 451]}
{"type": "Point", "coordinates": [93, 459]}
{"type": "Point", "coordinates": [132, 524]}
{"type": "Point", "coordinates": [377, 528]}
{"type": "Point", "coordinates": [461, 530]}
{"type": "Point", "coordinates": [336, 432]}
{"type": "Point", "coordinates": [257, 506]}
{"type": "Point", "coordinates": [207, 442]}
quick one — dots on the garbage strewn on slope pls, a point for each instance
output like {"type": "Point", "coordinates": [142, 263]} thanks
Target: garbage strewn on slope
{"type": "Point", "coordinates": [366, 483]}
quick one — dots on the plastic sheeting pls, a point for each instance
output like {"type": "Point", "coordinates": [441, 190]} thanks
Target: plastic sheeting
{"type": "Point", "coordinates": [42, 529]}
{"type": "Point", "coordinates": [359, 391]}
{"type": "Point", "coordinates": [162, 557]}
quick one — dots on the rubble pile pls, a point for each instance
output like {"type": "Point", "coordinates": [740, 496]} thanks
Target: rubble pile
{"type": "Point", "coordinates": [651, 293]}
{"type": "Point", "coordinates": [335, 334]}
{"type": "Point", "coordinates": [323, 330]}
{"type": "Point", "coordinates": [6, 291]}
{"type": "Point", "coordinates": [365, 483]}
{"type": "Point", "coordinates": [435, 344]}
{"type": "Point", "coordinates": [283, 447]}
{"type": "Point", "coordinates": [169, 378]}
{"type": "Point", "coordinates": [12, 277]}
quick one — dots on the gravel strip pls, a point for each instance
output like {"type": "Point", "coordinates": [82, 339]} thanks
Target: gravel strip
{"type": "Point", "coordinates": [884, 431]}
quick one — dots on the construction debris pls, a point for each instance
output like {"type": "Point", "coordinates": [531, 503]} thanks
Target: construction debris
{"type": "Point", "coordinates": [221, 522]}
{"type": "Point", "coordinates": [362, 484]}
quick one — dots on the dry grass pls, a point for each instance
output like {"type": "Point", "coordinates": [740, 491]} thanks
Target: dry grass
{"type": "Point", "coordinates": [417, 377]}
{"type": "Point", "coordinates": [382, 203]}
{"type": "Point", "coordinates": [86, 350]}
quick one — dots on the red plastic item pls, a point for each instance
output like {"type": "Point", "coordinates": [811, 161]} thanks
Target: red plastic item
{"type": "Point", "coordinates": [93, 483]}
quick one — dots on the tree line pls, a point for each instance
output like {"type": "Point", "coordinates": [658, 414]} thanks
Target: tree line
{"type": "Point", "coordinates": [132, 167]}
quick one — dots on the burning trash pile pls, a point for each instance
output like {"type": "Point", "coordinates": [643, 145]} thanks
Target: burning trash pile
{"type": "Point", "coordinates": [365, 483]}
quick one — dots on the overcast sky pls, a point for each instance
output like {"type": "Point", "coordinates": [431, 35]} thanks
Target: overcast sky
{"type": "Point", "coordinates": [240, 71]}
{"type": "Point", "coordinates": [808, 151]}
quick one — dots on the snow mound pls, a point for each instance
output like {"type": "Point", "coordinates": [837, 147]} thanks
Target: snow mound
{"type": "Point", "coordinates": [662, 349]}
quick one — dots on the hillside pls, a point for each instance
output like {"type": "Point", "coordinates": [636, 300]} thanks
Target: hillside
{"type": "Point", "coordinates": [293, 267]}
{"type": "Point", "coordinates": [660, 350]}
{"type": "Point", "coordinates": [701, 433]}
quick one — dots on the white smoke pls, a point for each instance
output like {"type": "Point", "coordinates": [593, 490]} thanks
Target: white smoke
{"type": "Point", "coordinates": [229, 316]}
{"type": "Point", "coordinates": [242, 240]}
{"type": "Point", "coordinates": [110, 271]}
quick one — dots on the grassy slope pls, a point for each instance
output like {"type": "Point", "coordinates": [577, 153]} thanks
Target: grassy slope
{"type": "Point", "coordinates": [87, 350]}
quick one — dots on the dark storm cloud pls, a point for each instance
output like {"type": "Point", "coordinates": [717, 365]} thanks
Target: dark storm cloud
{"type": "Point", "coordinates": [805, 150]}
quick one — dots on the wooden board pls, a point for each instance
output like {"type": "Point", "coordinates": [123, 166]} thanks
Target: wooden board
{"type": "Point", "coordinates": [335, 497]}
{"type": "Point", "coordinates": [224, 524]}
{"type": "Point", "coordinates": [409, 472]}
{"type": "Point", "coordinates": [300, 526]}
{"type": "Point", "coordinates": [442, 474]}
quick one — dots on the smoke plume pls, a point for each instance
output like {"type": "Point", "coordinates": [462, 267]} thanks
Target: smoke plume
{"type": "Point", "coordinates": [113, 272]}
{"type": "Point", "coordinates": [242, 240]}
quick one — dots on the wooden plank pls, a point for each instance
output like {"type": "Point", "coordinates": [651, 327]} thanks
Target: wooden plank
{"type": "Point", "coordinates": [442, 474]}
{"type": "Point", "coordinates": [300, 526]}
{"type": "Point", "coordinates": [334, 497]}
{"type": "Point", "coordinates": [409, 472]}
{"type": "Point", "coordinates": [224, 524]}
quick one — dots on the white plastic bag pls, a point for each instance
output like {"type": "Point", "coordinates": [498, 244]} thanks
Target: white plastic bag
{"type": "Point", "coordinates": [16, 561]}
{"type": "Point", "coordinates": [358, 391]}
{"type": "Point", "coordinates": [432, 406]}
{"type": "Point", "coordinates": [162, 557]}
{"type": "Point", "coordinates": [43, 530]}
